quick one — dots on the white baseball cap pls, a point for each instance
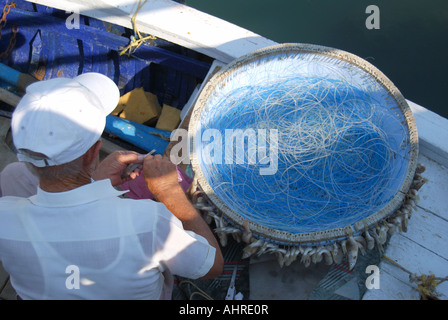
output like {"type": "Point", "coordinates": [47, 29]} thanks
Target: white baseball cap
{"type": "Point", "coordinates": [62, 118]}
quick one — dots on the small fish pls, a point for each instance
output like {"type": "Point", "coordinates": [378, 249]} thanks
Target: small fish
{"type": "Point", "coordinates": [370, 240]}
{"type": "Point", "coordinates": [352, 252]}
{"type": "Point", "coordinates": [337, 253]}
{"type": "Point", "coordinates": [132, 166]}
{"type": "Point", "coordinates": [247, 234]}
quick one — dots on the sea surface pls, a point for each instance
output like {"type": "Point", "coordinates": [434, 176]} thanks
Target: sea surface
{"type": "Point", "coordinates": [410, 47]}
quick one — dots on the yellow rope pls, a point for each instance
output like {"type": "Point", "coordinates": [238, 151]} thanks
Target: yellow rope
{"type": "Point", "coordinates": [136, 40]}
{"type": "Point", "coordinates": [200, 291]}
{"type": "Point", "coordinates": [426, 284]}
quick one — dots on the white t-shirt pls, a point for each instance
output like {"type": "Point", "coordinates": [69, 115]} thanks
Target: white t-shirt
{"type": "Point", "coordinates": [88, 243]}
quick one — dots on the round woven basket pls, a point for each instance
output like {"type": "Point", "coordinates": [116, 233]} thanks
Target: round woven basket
{"type": "Point", "coordinates": [325, 244]}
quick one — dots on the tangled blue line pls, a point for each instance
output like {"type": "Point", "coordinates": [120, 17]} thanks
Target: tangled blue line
{"type": "Point", "coordinates": [335, 161]}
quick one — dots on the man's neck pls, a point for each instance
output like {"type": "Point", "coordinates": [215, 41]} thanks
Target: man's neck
{"type": "Point", "coordinates": [66, 184]}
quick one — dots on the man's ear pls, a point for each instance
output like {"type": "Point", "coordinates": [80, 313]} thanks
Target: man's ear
{"type": "Point", "coordinates": [92, 154]}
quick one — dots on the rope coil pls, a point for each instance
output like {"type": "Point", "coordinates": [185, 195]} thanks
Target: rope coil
{"type": "Point", "coordinates": [137, 39]}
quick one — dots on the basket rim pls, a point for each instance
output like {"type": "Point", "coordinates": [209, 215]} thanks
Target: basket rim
{"type": "Point", "coordinates": [317, 236]}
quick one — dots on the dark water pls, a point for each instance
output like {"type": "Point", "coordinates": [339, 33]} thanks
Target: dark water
{"type": "Point", "coordinates": [410, 48]}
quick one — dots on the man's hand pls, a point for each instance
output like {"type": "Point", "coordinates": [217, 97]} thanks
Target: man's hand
{"type": "Point", "coordinates": [160, 175]}
{"type": "Point", "coordinates": [113, 166]}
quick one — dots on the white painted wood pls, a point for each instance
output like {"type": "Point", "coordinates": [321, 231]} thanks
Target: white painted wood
{"type": "Point", "coordinates": [434, 194]}
{"type": "Point", "coordinates": [422, 249]}
{"type": "Point", "coordinates": [391, 287]}
{"type": "Point", "coordinates": [417, 259]}
{"type": "Point", "coordinates": [171, 21]}
{"type": "Point", "coordinates": [432, 132]}
{"type": "Point", "coordinates": [429, 231]}
{"type": "Point", "coordinates": [395, 283]}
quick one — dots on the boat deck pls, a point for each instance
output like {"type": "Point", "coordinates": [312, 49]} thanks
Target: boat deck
{"type": "Point", "coordinates": [422, 249]}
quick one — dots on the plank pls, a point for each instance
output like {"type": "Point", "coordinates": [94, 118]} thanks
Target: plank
{"type": "Point", "coordinates": [417, 259]}
{"type": "Point", "coordinates": [429, 231]}
{"type": "Point", "coordinates": [9, 98]}
{"type": "Point", "coordinates": [394, 281]}
{"type": "Point", "coordinates": [173, 22]}
{"type": "Point", "coordinates": [391, 288]}
{"type": "Point", "coordinates": [431, 129]}
{"type": "Point", "coordinates": [433, 194]}
{"type": "Point", "coordinates": [422, 249]}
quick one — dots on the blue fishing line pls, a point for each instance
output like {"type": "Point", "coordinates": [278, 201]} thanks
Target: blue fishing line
{"type": "Point", "coordinates": [337, 162]}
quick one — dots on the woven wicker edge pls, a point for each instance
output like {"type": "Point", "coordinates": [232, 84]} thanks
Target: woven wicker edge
{"type": "Point", "coordinates": [318, 236]}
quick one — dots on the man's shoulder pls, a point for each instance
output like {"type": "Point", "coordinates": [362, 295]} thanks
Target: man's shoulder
{"type": "Point", "coordinates": [7, 201]}
{"type": "Point", "coordinates": [143, 204]}
{"type": "Point", "coordinates": [10, 223]}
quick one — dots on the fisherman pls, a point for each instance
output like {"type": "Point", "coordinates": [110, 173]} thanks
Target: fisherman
{"type": "Point", "coordinates": [77, 238]}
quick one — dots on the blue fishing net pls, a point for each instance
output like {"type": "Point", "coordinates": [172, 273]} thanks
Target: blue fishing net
{"type": "Point", "coordinates": [302, 144]}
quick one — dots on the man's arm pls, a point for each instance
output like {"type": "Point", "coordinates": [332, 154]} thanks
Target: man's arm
{"type": "Point", "coordinates": [161, 178]}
